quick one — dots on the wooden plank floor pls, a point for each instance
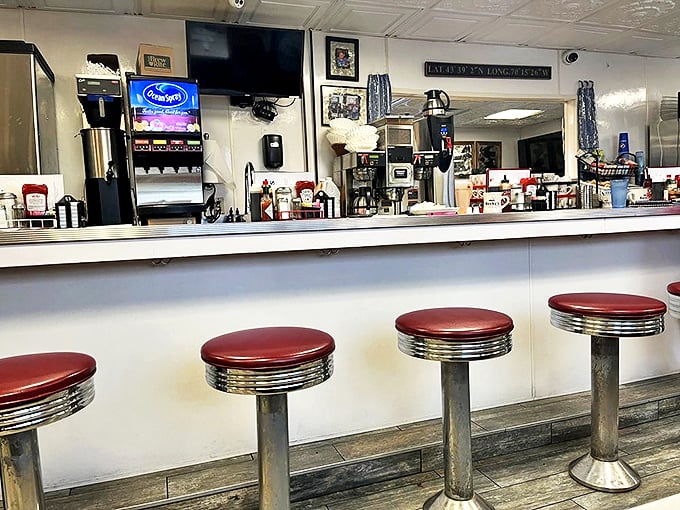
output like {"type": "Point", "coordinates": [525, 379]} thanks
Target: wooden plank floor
{"type": "Point", "coordinates": [548, 434]}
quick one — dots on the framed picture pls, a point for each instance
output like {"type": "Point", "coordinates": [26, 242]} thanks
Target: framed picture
{"type": "Point", "coordinates": [463, 158]}
{"type": "Point", "coordinates": [488, 155]}
{"type": "Point", "coordinates": [342, 59]}
{"type": "Point", "coordinates": [343, 102]}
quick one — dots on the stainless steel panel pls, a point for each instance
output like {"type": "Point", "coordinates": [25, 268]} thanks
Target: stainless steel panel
{"type": "Point", "coordinates": [664, 143]}
{"type": "Point", "coordinates": [28, 141]}
{"type": "Point", "coordinates": [18, 149]}
{"type": "Point", "coordinates": [168, 188]}
{"type": "Point", "coordinates": [46, 114]}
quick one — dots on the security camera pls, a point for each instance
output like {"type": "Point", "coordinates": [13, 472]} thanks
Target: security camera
{"type": "Point", "coordinates": [569, 57]}
{"type": "Point", "coordinates": [238, 4]}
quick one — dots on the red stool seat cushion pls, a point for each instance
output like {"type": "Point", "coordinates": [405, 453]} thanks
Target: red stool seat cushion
{"type": "Point", "coordinates": [267, 348]}
{"type": "Point", "coordinates": [458, 324]}
{"type": "Point", "coordinates": [674, 288]}
{"type": "Point", "coordinates": [31, 377]}
{"type": "Point", "coordinates": [603, 304]}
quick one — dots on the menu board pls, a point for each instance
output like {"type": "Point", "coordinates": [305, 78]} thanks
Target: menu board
{"type": "Point", "coordinates": [165, 106]}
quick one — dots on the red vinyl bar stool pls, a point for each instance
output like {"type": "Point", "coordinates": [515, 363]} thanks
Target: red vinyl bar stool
{"type": "Point", "coordinates": [269, 363]}
{"type": "Point", "coordinates": [36, 389]}
{"type": "Point", "coordinates": [454, 337]}
{"type": "Point", "coordinates": [606, 317]}
{"type": "Point", "coordinates": [673, 290]}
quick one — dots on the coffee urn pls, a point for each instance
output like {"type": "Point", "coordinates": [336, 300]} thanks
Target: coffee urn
{"type": "Point", "coordinates": [107, 185]}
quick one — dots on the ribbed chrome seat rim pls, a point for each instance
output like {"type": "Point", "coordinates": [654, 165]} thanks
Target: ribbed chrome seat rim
{"type": "Point", "coordinates": [674, 305]}
{"type": "Point", "coordinates": [267, 382]}
{"type": "Point", "coordinates": [451, 350]}
{"type": "Point", "coordinates": [607, 326]}
{"type": "Point", "coordinates": [47, 410]}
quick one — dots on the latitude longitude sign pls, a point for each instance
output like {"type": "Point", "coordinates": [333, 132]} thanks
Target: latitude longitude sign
{"type": "Point", "coordinates": [498, 71]}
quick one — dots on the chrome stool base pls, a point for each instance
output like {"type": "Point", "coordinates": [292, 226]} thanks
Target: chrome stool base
{"type": "Point", "coordinates": [20, 470]}
{"type": "Point", "coordinates": [605, 476]}
{"type": "Point", "coordinates": [441, 501]}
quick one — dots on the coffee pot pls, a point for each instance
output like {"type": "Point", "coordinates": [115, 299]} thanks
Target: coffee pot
{"type": "Point", "coordinates": [364, 204]}
{"type": "Point", "coordinates": [435, 104]}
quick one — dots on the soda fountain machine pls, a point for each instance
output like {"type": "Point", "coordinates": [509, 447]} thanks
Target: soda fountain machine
{"type": "Point", "coordinates": [107, 184]}
{"type": "Point", "coordinates": [164, 125]}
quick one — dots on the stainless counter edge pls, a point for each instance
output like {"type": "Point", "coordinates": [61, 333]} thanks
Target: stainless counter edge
{"type": "Point", "coordinates": [129, 232]}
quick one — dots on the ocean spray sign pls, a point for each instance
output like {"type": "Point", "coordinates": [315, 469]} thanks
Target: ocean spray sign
{"type": "Point", "coordinates": [165, 95]}
{"type": "Point", "coordinates": [498, 71]}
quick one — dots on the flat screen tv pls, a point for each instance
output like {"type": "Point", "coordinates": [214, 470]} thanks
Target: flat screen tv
{"type": "Point", "coordinates": [164, 105]}
{"type": "Point", "coordinates": [234, 60]}
{"type": "Point", "coordinates": [543, 154]}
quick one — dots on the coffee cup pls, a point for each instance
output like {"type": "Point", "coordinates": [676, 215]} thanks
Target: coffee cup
{"type": "Point", "coordinates": [495, 201]}
{"type": "Point", "coordinates": [463, 196]}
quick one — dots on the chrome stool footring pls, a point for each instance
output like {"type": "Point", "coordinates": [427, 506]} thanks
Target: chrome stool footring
{"type": "Point", "coordinates": [272, 451]}
{"type": "Point", "coordinates": [602, 469]}
{"type": "Point", "coordinates": [20, 473]}
{"type": "Point", "coordinates": [458, 491]}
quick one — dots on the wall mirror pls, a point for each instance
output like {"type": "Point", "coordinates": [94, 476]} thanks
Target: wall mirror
{"type": "Point", "coordinates": [480, 142]}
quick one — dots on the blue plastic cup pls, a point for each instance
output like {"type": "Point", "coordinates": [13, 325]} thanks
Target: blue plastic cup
{"type": "Point", "coordinates": [619, 192]}
{"type": "Point", "coordinates": [623, 143]}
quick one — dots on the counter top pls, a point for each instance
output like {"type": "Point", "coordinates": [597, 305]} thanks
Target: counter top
{"type": "Point", "coordinates": [28, 247]}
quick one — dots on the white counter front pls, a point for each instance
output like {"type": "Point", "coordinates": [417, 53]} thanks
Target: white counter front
{"type": "Point", "coordinates": [145, 321]}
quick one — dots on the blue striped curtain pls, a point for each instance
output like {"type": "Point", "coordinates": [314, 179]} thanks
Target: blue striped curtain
{"type": "Point", "coordinates": [379, 96]}
{"type": "Point", "coordinates": [587, 116]}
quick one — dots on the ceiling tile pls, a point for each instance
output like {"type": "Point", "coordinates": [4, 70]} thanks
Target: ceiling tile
{"type": "Point", "coordinates": [444, 26]}
{"type": "Point", "coordinates": [663, 24]}
{"type": "Point", "coordinates": [414, 4]}
{"type": "Point", "coordinates": [206, 9]}
{"type": "Point", "coordinates": [287, 13]}
{"type": "Point", "coordinates": [103, 6]}
{"type": "Point", "coordinates": [505, 31]}
{"type": "Point", "coordinates": [575, 36]}
{"type": "Point", "coordinates": [559, 10]}
{"type": "Point", "coordinates": [643, 43]}
{"type": "Point", "coordinates": [491, 7]}
{"type": "Point", "coordinates": [364, 19]}
{"type": "Point", "coordinates": [631, 13]}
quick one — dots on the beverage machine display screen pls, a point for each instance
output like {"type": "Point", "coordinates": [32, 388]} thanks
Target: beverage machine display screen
{"type": "Point", "coordinates": [164, 106]}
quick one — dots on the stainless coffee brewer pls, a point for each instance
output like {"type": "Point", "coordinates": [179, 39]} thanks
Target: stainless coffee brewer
{"type": "Point", "coordinates": [108, 191]}
{"type": "Point", "coordinates": [355, 174]}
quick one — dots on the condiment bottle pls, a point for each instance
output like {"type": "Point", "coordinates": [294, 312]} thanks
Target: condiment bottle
{"type": "Point", "coordinates": [284, 199]}
{"type": "Point", "coordinates": [305, 190]}
{"type": "Point", "coordinates": [35, 198]}
{"type": "Point", "coordinates": [266, 202]}
{"type": "Point", "coordinates": [506, 189]}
